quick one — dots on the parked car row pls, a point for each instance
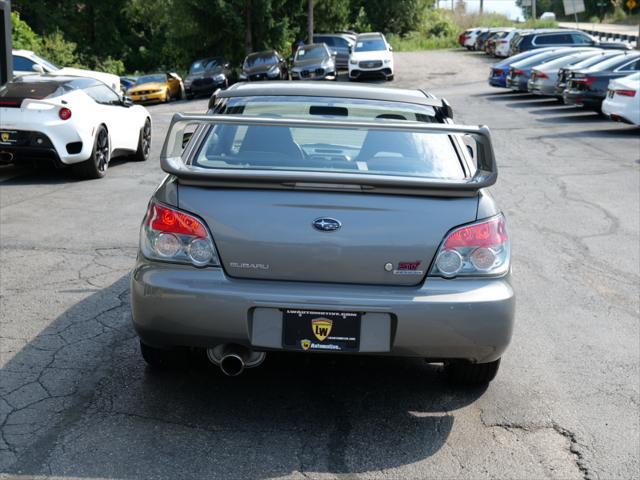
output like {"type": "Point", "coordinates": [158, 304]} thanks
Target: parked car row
{"type": "Point", "coordinates": [565, 64]}
{"type": "Point", "coordinates": [505, 42]}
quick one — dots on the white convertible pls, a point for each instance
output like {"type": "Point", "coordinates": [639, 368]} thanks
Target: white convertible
{"type": "Point", "coordinates": [72, 121]}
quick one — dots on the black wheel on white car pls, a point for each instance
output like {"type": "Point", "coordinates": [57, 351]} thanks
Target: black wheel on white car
{"type": "Point", "coordinates": [472, 373]}
{"type": "Point", "coordinates": [97, 164]}
{"type": "Point", "coordinates": [390, 78]}
{"type": "Point", "coordinates": [144, 143]}
{"type": "Point", "coordinates": [156, 358]}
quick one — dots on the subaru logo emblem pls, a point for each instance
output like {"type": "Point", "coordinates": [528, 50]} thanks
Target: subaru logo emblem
{"type": "Point", "coordinates": [325, 224]}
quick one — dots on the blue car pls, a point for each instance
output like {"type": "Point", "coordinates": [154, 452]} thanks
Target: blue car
{"type": "Point", "coordinates": [499, 72]}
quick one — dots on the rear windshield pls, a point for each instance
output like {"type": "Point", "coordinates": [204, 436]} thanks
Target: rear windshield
{"type": "Point", "coordinates": [14, 93]}
{"type": "Point", "coordinates": [589, 62]}
{"type": "Point", "coordinates": [613, 62]}
{"type": "Point", "coordinates": [346, 150]}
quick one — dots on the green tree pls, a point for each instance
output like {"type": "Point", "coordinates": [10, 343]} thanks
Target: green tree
{"type": "Point", "coordinates": [23, 37]}
{"type": "Point", "coordinates": [331, 15]}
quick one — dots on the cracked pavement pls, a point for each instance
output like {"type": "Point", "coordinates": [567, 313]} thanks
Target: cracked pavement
{"type": "Point", "coordinates": [76, 400]}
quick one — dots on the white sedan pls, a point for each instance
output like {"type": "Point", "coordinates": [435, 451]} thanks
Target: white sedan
{"type": "Point", "coordinates": [623, 100]}
{"type": "Point", "coordinates": [72, 121]}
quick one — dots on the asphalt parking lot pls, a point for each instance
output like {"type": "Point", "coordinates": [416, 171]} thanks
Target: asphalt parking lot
{"type": "Point", "coordinates": [77, 401]}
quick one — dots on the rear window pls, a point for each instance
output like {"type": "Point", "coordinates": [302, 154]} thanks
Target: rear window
{"type": "Point", "coordinates": [555, 39]}
{"type": "Point", "coordinates": [347, 150]}
{"type": "Point", "coordinates": [14, 93]}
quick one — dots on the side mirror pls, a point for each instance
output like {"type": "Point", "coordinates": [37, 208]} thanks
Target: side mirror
{"type": "Point", "coordinates": [390, 48]}
{"type": "Point", "coordinates": [37, 68]}
{"type": "Point", "coordinates": [227, 65]}
{"type": "Point", "coordinates": [350, 49]}
{"type": "Point", "coordinates": [126, 101]}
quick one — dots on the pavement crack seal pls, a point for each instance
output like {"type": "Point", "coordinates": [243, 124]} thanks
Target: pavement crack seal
{"type": "Point", "coordinates": [575, 447]}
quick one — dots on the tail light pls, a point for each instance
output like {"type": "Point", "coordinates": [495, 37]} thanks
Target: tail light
{"type": "Point", "coordinates": [518, 72]}
{"type": "Point", "coordinates": [625, 93]}
{"type": "Point", "coordinates": [482, 248]}
{"type": "Point", "coordinates": [541, 75]}
{"type": "Point", "coordinates": [64, 113]}
{"type": "Point", "coordinates": [588, 81]}
{"type": "Point", "coordinates": [170, 235]}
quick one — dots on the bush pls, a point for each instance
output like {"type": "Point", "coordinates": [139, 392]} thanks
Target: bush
{"type": "Point", "coordinates": [56, 49]}
{"type": "Point", "coordinates": [23, 37]}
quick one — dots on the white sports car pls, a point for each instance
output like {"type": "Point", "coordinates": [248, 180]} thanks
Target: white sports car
{"type": "Point", "coordinates": [71, 121]}
{"type": "Point", "coordinates": [623, 100]}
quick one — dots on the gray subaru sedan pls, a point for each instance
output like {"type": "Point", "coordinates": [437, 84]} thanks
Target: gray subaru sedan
{"type": "Point", "coordinates": [325, 219]}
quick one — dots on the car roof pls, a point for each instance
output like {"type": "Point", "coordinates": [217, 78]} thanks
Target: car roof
{"type": "Point", "coordinates": [262, 53]}
{"type": "Point", "coordinates": [26, 53]}
{"type": "Point", "coordinates": [323, 46]}
{"type": "Point", "coordinates": [369, 35]}
{"type": "Point", "coordinates": [208, 59]}
{"type": "Point", "coordinates": [305, 89]}
{"type": "Point", "coordinates": [71, 80]}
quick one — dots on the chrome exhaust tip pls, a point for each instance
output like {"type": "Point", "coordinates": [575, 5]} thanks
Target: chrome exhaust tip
{"type": "Point", "coordinates": [232, 365]}
{"type": "Point", "coordinates": [233, 359]}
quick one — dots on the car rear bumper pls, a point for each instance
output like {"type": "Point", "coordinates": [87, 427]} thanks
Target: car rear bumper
{"type": "Point", "coordinates": [177, 305]}
{"type": "Point", "coordinates": [541, 88]}
{"type": "Point", "coordinates": [38, 146]}
{"type": "Point", "coordinates": [519, 84]}
{"type": "Point", "coordinates": [496, 81]}
{"type": "Point", "coordinates": [582, 98]}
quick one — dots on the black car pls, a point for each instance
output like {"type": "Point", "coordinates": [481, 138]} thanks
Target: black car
{"type": "Point", "coordinates": [314, 62]}
{"type": "Point", "coordinates": [207, 75]}
{"type": "Point", "coordinates": [565, 72]}
{"type": "Point", "coordinates": [560, 38]}
{"type": "Point", "coordinates": [266, 65]}
{"type": "Point", "coordinates": [588, 87]}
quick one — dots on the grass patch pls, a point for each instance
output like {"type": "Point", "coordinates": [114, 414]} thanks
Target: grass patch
{"type": "Point", "coordinates": [440, 29]}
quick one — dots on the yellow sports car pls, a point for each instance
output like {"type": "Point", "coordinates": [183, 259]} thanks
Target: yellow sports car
{"type": "Point", "coordinates": [158, 87]}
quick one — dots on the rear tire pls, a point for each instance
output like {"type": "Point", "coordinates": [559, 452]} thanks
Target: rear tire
{"type": "Point", "coordinates": [97, 164]}
{"type": "Point", "coordinates": [144, 143]}
{"type": "Point", "coordinates": [472, 373]}
{"type": "Point", "coordinates": [156, 358]}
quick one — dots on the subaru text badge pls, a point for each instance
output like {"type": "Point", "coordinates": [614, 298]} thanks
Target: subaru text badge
{"type": "Point", "coordinates": [325, 224]}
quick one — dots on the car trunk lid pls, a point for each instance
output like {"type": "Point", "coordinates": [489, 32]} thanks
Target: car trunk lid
{"type": "Point", "coordinates": [270, 234]}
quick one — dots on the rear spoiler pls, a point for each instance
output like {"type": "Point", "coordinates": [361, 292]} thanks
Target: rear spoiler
{"type": "Point", "coordinates": [172, 162]}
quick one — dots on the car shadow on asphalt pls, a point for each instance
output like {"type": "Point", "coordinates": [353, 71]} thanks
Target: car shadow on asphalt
{"type": "Point", "coordinates": [578, 116]}
{"type": "Point", "coordinates": [622, 131]}
{"type": "Point", "coordinates": [534, 101]}
{"type": "Point", "coordinates": [504, 96]}
{"type": "Point", "coordinates": [39, 173]}
{"type": "Point", "coordinates": [80, 402]}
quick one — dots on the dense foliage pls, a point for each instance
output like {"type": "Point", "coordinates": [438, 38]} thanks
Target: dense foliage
{"type": "Point", "coordinates": [145, 35]}
{"type": "Point", "coordinates": [594, 9]}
